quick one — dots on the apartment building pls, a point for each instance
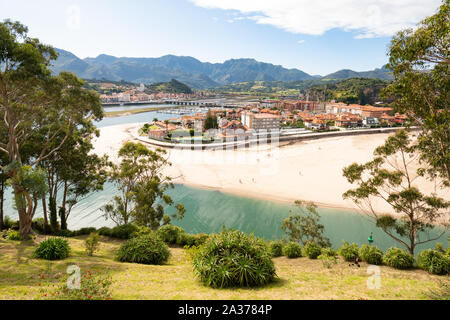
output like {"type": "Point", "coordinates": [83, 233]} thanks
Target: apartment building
{"type": "Point", "coordinates": [261, 121]}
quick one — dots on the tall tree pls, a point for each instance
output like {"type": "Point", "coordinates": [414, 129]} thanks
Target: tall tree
{"type": "Point", "coordinates": [389, 178]}
{"type": "Point", "coordinates": [74, 171]}
{"type": "Point", "coordinates": [143, 187]}
{"type": "Point", "coordinates": [420, 62]}
{"type": "Point", "coordinates": [34, 103]}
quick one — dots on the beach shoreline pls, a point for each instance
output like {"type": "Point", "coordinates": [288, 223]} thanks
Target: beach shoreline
{"type": "Point", "coordinates": [309, 171]}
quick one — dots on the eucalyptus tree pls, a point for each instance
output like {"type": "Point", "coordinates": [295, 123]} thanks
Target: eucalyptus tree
{"type": "Point", "coordinates": [143, 188]}
{"type": "Point", "coordinates": [305, 226]}
{"type": "Point", "coordinates": [74, 172]}
{"type": "Point", "coordinates": [34, 103]}
{"type": "Point", "coordinates": [390, 178]}
{"type": "Point", "coordinates": [420, 62]}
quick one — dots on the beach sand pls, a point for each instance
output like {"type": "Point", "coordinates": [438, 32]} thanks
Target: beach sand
{"type": "Point", "coordinates": [308, 170]}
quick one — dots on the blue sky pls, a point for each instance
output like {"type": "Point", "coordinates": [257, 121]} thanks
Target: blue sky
{"type": "Point", "coordinates": [316, 36]}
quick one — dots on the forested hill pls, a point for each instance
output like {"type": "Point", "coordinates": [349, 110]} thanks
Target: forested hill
{"type": "Point", "coordinates": [173, 86]}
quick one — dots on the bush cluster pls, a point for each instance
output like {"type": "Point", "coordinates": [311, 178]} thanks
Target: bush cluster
{"type": "Point", "coordinates": [276, 248]}
{"type": "Point", "coordinates": [234, 259]}
{"type": "Point", "coordinates": [190, 240]}
{"type": "Point", "coordinates": [145, 249]}
{"type": "Point", "coordinates": [398, 258]}
{"type": "Point", "coordinates": [13, 235]}
{"type": "Point", "coordinates": [312, 250]}
{"type": "Point", "coordinates": [169, 233]}
{"type": "Point", "coordinates": [52, 249]}
{"type": "Point", "coordinates": [371, 254]}
{"type": "Point", "coordinates": [292, 250]}
{"type": "Point", "coordinates": [434, 262]}
{"type": "Point", "coordinates": [349, 251]}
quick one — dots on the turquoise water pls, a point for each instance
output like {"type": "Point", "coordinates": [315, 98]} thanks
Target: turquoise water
{"type": "Point", "coordinates": [209, 211]}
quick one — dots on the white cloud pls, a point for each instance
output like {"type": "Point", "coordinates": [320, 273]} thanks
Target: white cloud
{"type": "Point", "coordinates": [368, 18]}
{"type": "Point", "coordinates": [301, 41]}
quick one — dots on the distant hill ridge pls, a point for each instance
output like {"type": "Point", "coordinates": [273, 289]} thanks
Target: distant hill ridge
{"type": "Point", "coordinates": [188, 70]}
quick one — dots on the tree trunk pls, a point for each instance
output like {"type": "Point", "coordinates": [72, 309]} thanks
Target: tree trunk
{"type": "Point", "coordinates": [53, 214]}
{"type": "Point", "coordinates": [44, 208]}
{"type": "Point", "coordinates": [2, 193]}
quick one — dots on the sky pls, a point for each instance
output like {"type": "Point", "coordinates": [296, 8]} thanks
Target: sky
{"type": "Point", "coordinates": [315, 36]}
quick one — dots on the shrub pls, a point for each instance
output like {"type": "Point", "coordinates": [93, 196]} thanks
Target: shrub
{"type": "Point", "coordinates": [186, 240]}
{"type": "Point", "coordinates": [38, 225]}
{"type": "Point", "coordinates": [200, 239]}
{"type": "Point", "coordinates": [292, 250]}
{"type": "Point", "coordinates": [328, 257]}
{"type": "Point", "coordinates": [92, 243]}
{"type": "Point", "coordinates": [169, 233]}
{"type": "Point", "coordinates": [349, 251]}
{"type": "Point", "coordinates": [66, 233]}
{"type": "Point", "coordinates": [434, 262]}
{"type": "Point", "coordinates": [124, 231]}
{"type": "Point", "coordinates": [105, 231]}
{"type": "Point", "coordinates": [52, 249]}
{"type": "Point", "coordinates": [371, 254]}
{"type": "Point", "coordinates": [146, 249]}
{"type": "Point", "coordinates": [233, 259]}
{"type": "Point", "coordinates": [312, 250]}
{"type": "Point", "coordinates": [8, 223]}
{"type": "Point", "coordinates": [14, 235]}
{"type": "Point", "coordinates": [329, 252]}
{"type": "Point", "coordinates": [84, 232]}
{"type": "Point", "coordinates": [398, 258]}
{"type": "Point", "coordinates": [276, 248]}
{"type": "Point", "coordinates": [93, 287]}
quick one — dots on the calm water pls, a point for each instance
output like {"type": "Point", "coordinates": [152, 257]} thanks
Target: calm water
{"type": "Point", "coordinates": [209, 211]}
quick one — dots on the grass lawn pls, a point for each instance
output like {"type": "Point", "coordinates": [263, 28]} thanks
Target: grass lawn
{"type": "Point", "coordinates": [298, 279]}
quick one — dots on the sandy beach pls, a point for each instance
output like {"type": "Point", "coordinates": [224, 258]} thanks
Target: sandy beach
{"type": "Point", "coordinates": [308, 170]}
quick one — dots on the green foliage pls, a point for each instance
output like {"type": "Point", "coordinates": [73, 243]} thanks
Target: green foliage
{"type": "Point", "coordinates": [276, 248]}
{"type": "Point", "coordinates": [124, 231]}
{"type": "Point", "coordinates": [210, 121]}
{"type": "Point", "coordinates": [434, 262]}
{"type": "Point", "coordinates": [173, 86]}
{"type": "Point", "coordinates": [292, 250]}
{"type": "Point", "coordinates": [305, 227]}
{"type": "Point", "coordinates": [419, 60]}
{"type": "Point", "coordinates": [14, 235]}
{"type": "Point", "coordinates": [328, 257]}
{"type": "Point", "coordinates": [142, 188]}
{"type": "Point", "coordinates": [186, 240]}
{"type": "Point", "coordinates": [398, 259]}
{"type": "Point", "coordinates": [9, 223]}
{"type": "Point", "coordinates": [234, 259]}
{"type": "Point", "coordinates": [52, 249]}
{"type": "Point", "coordinates": [312, 250]}
{"type": "Point", "coordinates": [387, 179]}
{"type": "Point", "coordinates": [92, 244]}
{"type": "Point", "coordinates": [105, 231]}
{"type": "Point", "coordinates": [84, 232]}
{"type": "Point", "coordinates": [169, 233]}
{"type": "Point", "coordinates": [93, 287]}
{"type": "Point", "coordinates": [39, 226]}
{"type": "Point", "coordinates": [371, 254]}
{"type": "Point", "coordinates": [146, 249]}
{"type": "Point", "coordinates": [349, 251]}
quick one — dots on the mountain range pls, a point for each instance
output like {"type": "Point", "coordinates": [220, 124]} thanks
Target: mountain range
{"type": "Point", "coordinates": [189, 70]}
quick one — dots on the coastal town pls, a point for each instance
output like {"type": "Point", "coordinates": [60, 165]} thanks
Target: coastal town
{"type": "Point", "coordinates": [275, 116]}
